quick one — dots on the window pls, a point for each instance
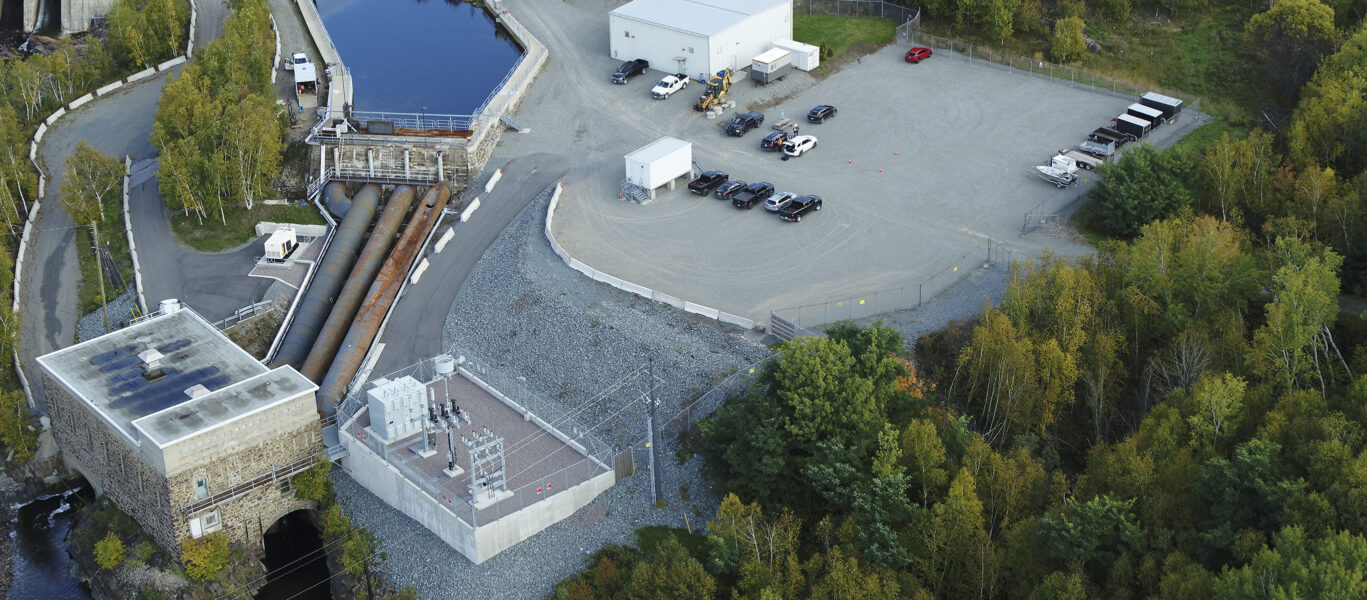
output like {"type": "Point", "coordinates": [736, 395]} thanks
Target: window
{"type": "Point", "coordinates": [201, 489]}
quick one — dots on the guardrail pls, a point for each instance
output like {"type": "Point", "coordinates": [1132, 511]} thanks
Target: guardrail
{"type": "Point", "coordinates": [410, 120]}
{"type": "Point", "coordinates": [244, 313]}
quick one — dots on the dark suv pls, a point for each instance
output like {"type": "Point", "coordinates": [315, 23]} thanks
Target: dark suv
{"type": "Point", "coordinates": [821, 113]}
{"type": "Point", "coordinates": [630, 69]}
{"type": "Point", "coordinates": [774, 141]}
{"type": "Point", "coordinates": [744, 122]}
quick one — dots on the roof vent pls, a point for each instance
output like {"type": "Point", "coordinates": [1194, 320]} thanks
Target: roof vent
{"type": "Point", "coordinates": [151, 359]}
{"type": "Point", "coordinates": [196, 391]}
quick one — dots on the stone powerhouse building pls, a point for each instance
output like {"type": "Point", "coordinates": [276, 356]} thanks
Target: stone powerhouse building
{"type": "Point", "coordinates": [182, 429]}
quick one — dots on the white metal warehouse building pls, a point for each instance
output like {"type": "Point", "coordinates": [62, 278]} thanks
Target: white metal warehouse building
{"type": "Point", "coordinates": [707, 35]}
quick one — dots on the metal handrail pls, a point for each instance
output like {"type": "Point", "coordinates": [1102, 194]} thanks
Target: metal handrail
{"type": "Point", "coordinates": [240, 489]}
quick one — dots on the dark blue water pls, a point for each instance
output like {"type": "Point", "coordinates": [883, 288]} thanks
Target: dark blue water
{"type": "Point", "coordinates": [41, 565]}
{"type": "Point", "coordinates": [408, 54]}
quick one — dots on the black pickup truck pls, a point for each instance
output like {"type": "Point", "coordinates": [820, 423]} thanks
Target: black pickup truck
{"type": "Point", "coordinates": [630, 69]}
{"type": "Point", "coordinates": [744, 122]}
{"type": "Point", "coordinates": [755, 193]}
{"type": "Point", "coordinates": [799, 206]}
{"type": "Point", "coordinates": [708, 181]}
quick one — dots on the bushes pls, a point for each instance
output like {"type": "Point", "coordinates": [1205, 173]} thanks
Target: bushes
{"type": "Point", "coordinates": [109, 552]}
{"type": "Point", "coordinates": [205, 557]}
{"type": "Point", "coordinates": [1146, 186]}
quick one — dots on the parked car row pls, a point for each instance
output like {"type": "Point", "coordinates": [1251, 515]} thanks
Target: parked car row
{"type": "Point", "coordinates": [788, 206]}
{"type": "Point", "coordinates": [1139, 119]}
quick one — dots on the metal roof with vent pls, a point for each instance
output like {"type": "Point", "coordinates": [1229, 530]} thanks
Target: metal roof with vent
{"type": "Point", "coordinates": [698, 17]}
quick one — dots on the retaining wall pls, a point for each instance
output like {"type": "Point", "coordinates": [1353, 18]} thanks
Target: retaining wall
{"type": "Point", "coordinates": [628, 286]}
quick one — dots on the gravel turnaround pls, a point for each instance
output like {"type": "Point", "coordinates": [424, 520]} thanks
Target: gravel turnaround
{"type": "Point", "coordinates": [526, 314]}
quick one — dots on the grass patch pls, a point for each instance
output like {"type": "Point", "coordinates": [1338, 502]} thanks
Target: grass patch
{"type": "Point", "coordinates": [836, 35]}
{"type": "Point", "coordinates": [213, 235]}
{"type": "Point", "coordinates": [114, 237]}
{"type": "Point", "coordinates": [647, 538]}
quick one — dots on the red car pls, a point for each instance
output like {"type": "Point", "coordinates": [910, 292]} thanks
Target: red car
{"type": "Point", "coordinates": [918, 54]}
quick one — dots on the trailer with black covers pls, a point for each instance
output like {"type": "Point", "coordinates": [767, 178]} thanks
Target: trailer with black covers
{"type": "Point", "coordinates": [1152, 115]}
{"type": "Point", "coordinates": [1133, 126]}
{"type": "Point", "coordinates": [1108, 135]}
{"type": "Point", "coordinates": [1167, 104]}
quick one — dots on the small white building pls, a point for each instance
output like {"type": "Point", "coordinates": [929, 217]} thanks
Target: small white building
{"type": "Point", "coordinates": [659, 163]}
{"type": "Point", "coordinates": [698, 36]}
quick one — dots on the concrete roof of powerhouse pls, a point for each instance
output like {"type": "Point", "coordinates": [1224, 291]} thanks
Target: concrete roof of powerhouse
{"type": "Point", "coordinates": [659, 149]}
{"type": "Point", "coordinates": [699, 17]}
{"type": "Point", "coordinates": [107, 374]}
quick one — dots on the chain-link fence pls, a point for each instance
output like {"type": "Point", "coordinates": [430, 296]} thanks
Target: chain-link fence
{"type": "Point", "coordinates": [877, 9]}
{"type": "Point", "coordinates": [1074, 76]}
{"type": "Point", "coordinates": [725, 390]}
{"type": "Point", "coordinates": [864, 305]}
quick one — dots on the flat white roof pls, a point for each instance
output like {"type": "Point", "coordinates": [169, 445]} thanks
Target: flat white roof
{"type": "Point", "coordinates": [771, 55]}
{"type": "Point", "coordinates": [1134, 120]}
{"type": "Point", "coordinates": [1160, 98]}
{"type": "Point", "coordinates": [1146, 110]}
{"type": "Point", "coordinates": [698, 17]}
{"type": "Point", "coordinates": [658, 149]}
{"type": "Point", "coordinates": [304, 73]}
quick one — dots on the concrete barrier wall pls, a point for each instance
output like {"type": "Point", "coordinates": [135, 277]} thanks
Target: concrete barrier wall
{"type": "Point", "coordinates": [501, 534]}
{"type": "Point", "coordinates": [275, 63]}
{"type": "Point", "coordinates": [108, 88]}
{"type": "Point", "coordinates": [267, 227]}
{"type": "Point", "coordinates": [128, 229]}
{"type": "Point", "coordinates": [57, 114]}
{"type": "Point", "coordinates": [386, 482]}
{"type": "Point", "coordinates": [38, 135]}
{"type": "Point", "coordinates": [628, 286]}
{"type": "Point", "coordinates": [77, 103]}
{"type": "Point", "coordinates": [141, 75]}
{"type": "Point", "coordinates": [179, 60]}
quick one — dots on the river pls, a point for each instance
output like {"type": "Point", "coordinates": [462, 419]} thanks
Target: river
{"type": "Point", "coordinates": [404, 55]}
{"type": "Point", "coordinates": [296, 567]}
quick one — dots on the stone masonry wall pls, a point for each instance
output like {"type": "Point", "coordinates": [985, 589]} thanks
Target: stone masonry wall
{"type": "Point", "coordinates": [111, 463]}
{"type": "Point", "coordinates": [246, 517]}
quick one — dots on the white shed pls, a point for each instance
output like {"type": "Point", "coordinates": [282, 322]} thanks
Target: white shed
{"type": "Point", "coordinates": [805, 56]}
{"type": "Point", "coordinates": [698, 36]}
{"type": "Point", "coordinates": [659, 163]}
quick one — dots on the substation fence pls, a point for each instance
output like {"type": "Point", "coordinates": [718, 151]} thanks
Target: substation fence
{"type": "Point", "coordinates": [865, 305]}
{"type": "Point", "coordinates": [859, 8]}
{"type": "Point", "coordinates": [724, 391]}
{"type": "Point", "coordinates": [1073, 76]}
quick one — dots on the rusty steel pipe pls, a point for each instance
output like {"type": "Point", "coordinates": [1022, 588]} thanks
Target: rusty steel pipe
{"type": "Point", "coordinates": [328, 280]}
{"type": "Point", "coordinates": [349, 299]}
{"type": "Point", "coordinates": [380, 298]}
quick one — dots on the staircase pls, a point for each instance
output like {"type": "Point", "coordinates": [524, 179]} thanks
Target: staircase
{"type": "Point", "coordinates": [636, 193]}
{"type": "Point", "coordinates": [511, 122]}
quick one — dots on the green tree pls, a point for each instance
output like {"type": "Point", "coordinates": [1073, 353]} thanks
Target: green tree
{"type": "Point", "coordinates": [668, 572]}
{"type": "Point", "coordinates": [1115, 11]}
{"type": "Point", "coordinates": [1305, 303]}
{"type": "Point", "coordinates": [923, 455]}
{"type": "Point", "coordinates": [314, 483]}
{"type": "Point", "coordinates": [1060, 586]}
{"type": "Point", "coordinates": [1246, 492]}
{"type": "Point", "coordinates": [1288, 40]}
{"type": "Point", "coordinates": [1145, 187]}
{"type": "Point", "coordinates": [91, 181]}
{"type": "Point", "coordinates": [1218, 400]}
{"type": "Point", "coordinates": [1068, 43]}
{"type": "Point", "coordinates": [1301, 565]}
{"type": "Point", "coordinates": [109, 552]}
{"type": "Point", "coordinates": [954, 548]}
{"type": "Point", "coordinates": [999, 19]}
{"type": "Point", "coordinates": [206, 557]}
{"type": "Point", "coordinates": [1093, 533]}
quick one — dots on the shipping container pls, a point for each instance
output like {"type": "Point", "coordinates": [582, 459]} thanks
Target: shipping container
{"type": "Point", "coordinates": [1167, 104]}
{"type": "Point", "coordinates": [1152, 115]}
{"type": "Point", "coordinates": [660, 163]}
{"type": "Point", "coordinates": [805, 56]}
{"type": "Point", "coordinates": [1132, 125]}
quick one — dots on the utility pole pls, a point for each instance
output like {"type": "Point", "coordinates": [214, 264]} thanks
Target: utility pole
{"type": "Point", "coordinates": [650, 431]}
{"type": "Point", "coordinates": [99, 268]}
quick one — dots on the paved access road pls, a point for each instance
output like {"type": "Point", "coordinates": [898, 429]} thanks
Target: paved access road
{"type": "Point", "coordinates": [118, 125]}
{"type": "Point", "coordinates": [214, 284]}
{"type": "Point", "coordinates": [414, 331]}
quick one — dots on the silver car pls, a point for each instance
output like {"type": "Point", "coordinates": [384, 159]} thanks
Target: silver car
{"type": "Point", "coordinates": [778, 201]}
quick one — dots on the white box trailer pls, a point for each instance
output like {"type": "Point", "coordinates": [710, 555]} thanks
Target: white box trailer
{"type": "Point", "coordinates": [660, 163]}
{"type": "Point", "coordinates": [805, 57]}
{"type": "Point", "coordinates": [771, 65]}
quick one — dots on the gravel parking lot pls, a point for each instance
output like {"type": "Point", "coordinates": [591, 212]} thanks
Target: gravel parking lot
{"type": "Point", "coordinates": [924, 164]}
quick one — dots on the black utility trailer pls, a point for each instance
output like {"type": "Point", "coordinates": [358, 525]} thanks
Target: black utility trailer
{"type": "Point", "coordinates": [1133, 126]}
{"type": "Point", "coordinates": [1167, 104]}
{"type": "Point", "coordinates": [1152, 115]}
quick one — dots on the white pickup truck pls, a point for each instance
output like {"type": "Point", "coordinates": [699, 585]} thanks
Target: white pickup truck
{"type": "Point", "coordinates": [667, 86]}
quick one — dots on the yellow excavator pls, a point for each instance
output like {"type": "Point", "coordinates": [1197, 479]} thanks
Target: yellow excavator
{"type": "Point", "coordinates": [717, 87]}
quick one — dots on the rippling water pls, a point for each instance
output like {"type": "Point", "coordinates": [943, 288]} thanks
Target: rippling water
{"type": "Point", "coordinates": [41, 565]}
